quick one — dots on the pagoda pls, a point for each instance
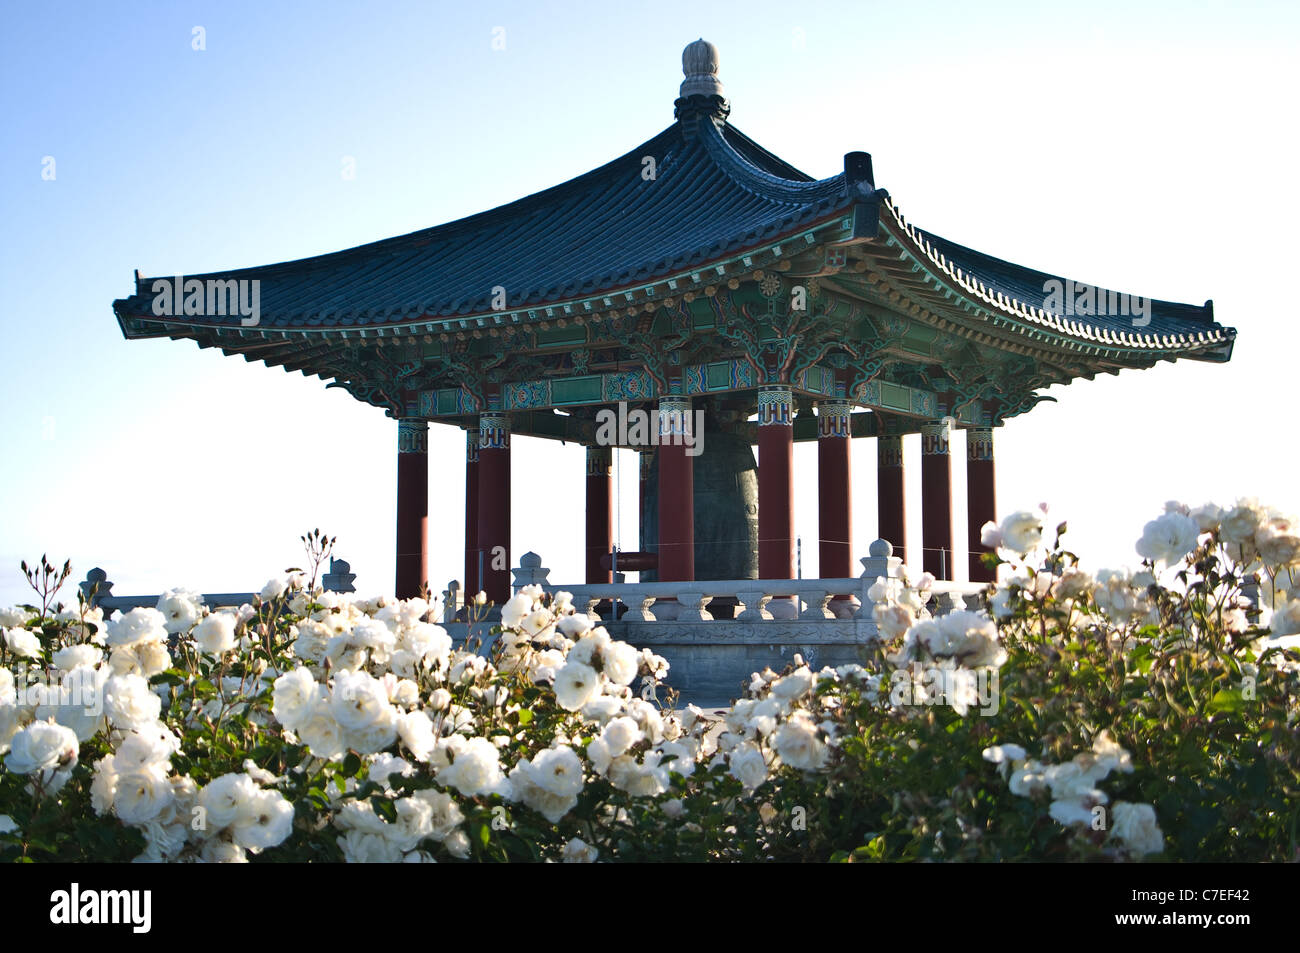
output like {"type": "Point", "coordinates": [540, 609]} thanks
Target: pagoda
{"type": "Point", "coordinates": [700, 281]}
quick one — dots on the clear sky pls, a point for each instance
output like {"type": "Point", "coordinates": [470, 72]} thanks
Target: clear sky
{"type": "Point", "coordinates": [1147, 147]}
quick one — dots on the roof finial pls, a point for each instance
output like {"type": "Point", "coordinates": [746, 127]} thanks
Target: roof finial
{"type": "Point", "coordinates": [700, 66]}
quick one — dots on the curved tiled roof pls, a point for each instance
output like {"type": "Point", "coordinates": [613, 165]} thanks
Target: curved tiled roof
{"type": "Point", "coordinates": [715, 195]}
{"type": "Point", "coordinates": [714, 192]}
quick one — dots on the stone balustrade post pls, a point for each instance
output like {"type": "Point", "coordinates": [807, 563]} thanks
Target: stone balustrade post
{"type": "Point", "coordinates": [340, 578]}
{"type": "Point", "coordinates": [96, 588]}
{"type": "Point", "coordinates": [754, 606]}
{"type": "Point", "coordinates": [815, 604]}
{"type": "Point", "coordinates": [638, 608]}
{"type": "Point", "coordinates": [880, 563]}
{"type": "Point", "coordinates": [451, 602]}
{"type": "Point", "coordinates": [530, 572]}
{"type": "Point", "coordinates": [693, 607]}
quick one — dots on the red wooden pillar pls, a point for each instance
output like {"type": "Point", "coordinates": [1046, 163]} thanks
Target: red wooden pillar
{"type": "Point", "coordinates": [981, 505]}
{"type": "Point", "coordinates": [889, 492]}
{"type": "Point", "coordinates": [936, 501]}
{"type": "Point", "coordinates": [494, 505]}
{"type": "Point", "coordinates": [600, 513]}
{"type": "Point", "coordinates": [472, 584]}
{"type": "Point", "coordinates": [412, 507]}
{"type": "Point", "coordinates": [676, 493]}
{"type": "Point", "coordinates": [775, 483]}
{"type": "Point", "coordinates": [834, 499]}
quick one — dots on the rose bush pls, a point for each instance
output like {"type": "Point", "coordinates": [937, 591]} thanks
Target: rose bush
{"type": "Point", "coordinates": [1114, 715]}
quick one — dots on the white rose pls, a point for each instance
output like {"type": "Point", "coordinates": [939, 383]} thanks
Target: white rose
{"type": "Point", "coordinates": [403, 692]}
{"type": "Point", "coordinates": [14, 617]}
{"type": "Point", "coordinates": [620, 734]}
{"type": "Point", "coordinates": [414, 823]}
{"type": "Point", "coordinates": [383, 765]}
{"type": "Point", "coordinates": [215, 635]}
{"type": "Point", "coordinates": [1208, 517]}
{"type": "Point", "coordinates": [1278, 542]}
{"type": "Point", "coordinates": [139, 625]}
{"type": "Point", "coordinates": [797, 743]}
{"type": "Point", "coordinates": [294, 695]}
{"type": "Point", "coordinates": [1136, 826]}
{"type": "Point", "coordinates": [446, 814]}
{"type": "Point", "coordinates": [574, 626]}
{"type": "Point", "coordinates": [23, 643]}
{"type": "Point", "coordinates": [416, 731]}
{"type": "Point", "coordinates": [128, 702]}
{"type": "Point", "coordinates": [1068, 812]}
{"type": "Point", "coordinates": [266, 820]}
{"type": "Point", "coordinates": [646, 779]}
{"type": "Point", "coordinates": [321, 733]}
{"type": "Point", "coordinates": [274, 589]}
{"type": "Point", "coordinates": [104, 786]}
{"type": "Point", "coordinates": [144, 658]}
{"type": "Point", "coordinates": [1168, 538]}
{"type": "Point", "coordinates": [46, 749]}
{"type": "Point", "coordinates": [578, 851]}
{"type": "Point", "coordinates": [1240, 523]}
{"type": "Point", "coordinates": [1073, 583]}
{"type": "Point", "coordinates": [358, 700]}
{"type": "Point", "coordinates": [218, 850]}
{"type": "Point", "coordinates": [795, 685]}
{"type": "Point", "coordinates": [439, 699]}
{"type": "Point", "coordinates": [991, 535]}
{"type": "Point", "coordinates": [1001, 753]}
{"type": "Point", "coordinates": [141, 796]}
{"type": "Point", "coordinates": [1027, 779]}
{"type": "Point", "coordinates": [680, 755]}
{"type": "Point", "coordinates": [475, 766]}
{"type": "Point", "coordinates": [226, 799]}
{"type": "Point", "coordinates": [75, 656]}
{"type": "Point", "coordinates": [620, 662]}
{"type": "Point", "coordinates": [747, 765]}
{"type": "Point", "coordinates": [457, 844]}
{"type": "Point", "coordinates": [601, 709]}
{"type": "Point", "coordinates": [376, 736]}
{"type": "Point", "coordinates": [149, 747]}
{"type": "Point", "coordinates": [310, 640]}
{"type": "Point", "coordinates": [514, 610]}
{"type": "Point", "coordinates": [558, 770]}
{"type": "Point", "coordinates": [587, 647]}
{"type": "Point", "coordinates": [576, 684]}
{"type": "Point", "coordinates": [360, 816]}
{"type": "Point", "coordinates": [892, 619]}
{"type": "Point", "coordinates": [77, 702]}
{"type": "Point", "coordinates": [1022, 531]}
{"type": "Point", "coordinates": [1284, 626]}
{"type": "Point", "coordinates": [181, 608]}
{"type": "Point", "coordinates": [360, 847]}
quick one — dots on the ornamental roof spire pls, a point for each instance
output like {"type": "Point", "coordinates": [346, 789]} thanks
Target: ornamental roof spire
{"type": "Point", "coordinates": [701, 91]}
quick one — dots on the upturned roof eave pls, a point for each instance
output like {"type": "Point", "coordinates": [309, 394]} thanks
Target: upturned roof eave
{"type": "Point", "coordinates": [1199, 339]}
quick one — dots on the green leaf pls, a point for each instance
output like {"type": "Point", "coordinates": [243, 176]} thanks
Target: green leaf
{"type": "Point", "coordinates": [1225, 699]}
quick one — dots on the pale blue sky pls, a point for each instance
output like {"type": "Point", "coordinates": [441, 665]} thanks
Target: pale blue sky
{"type": "Point", "coordinates": [1150, 150]}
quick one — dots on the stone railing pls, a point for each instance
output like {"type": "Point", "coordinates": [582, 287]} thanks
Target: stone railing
{"type": "Point", "coordinates": [715, 633]}
{"type": "Point", "coordinates": [747, 600]}
{"type": "Point", "coordinates": [99, 591]}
